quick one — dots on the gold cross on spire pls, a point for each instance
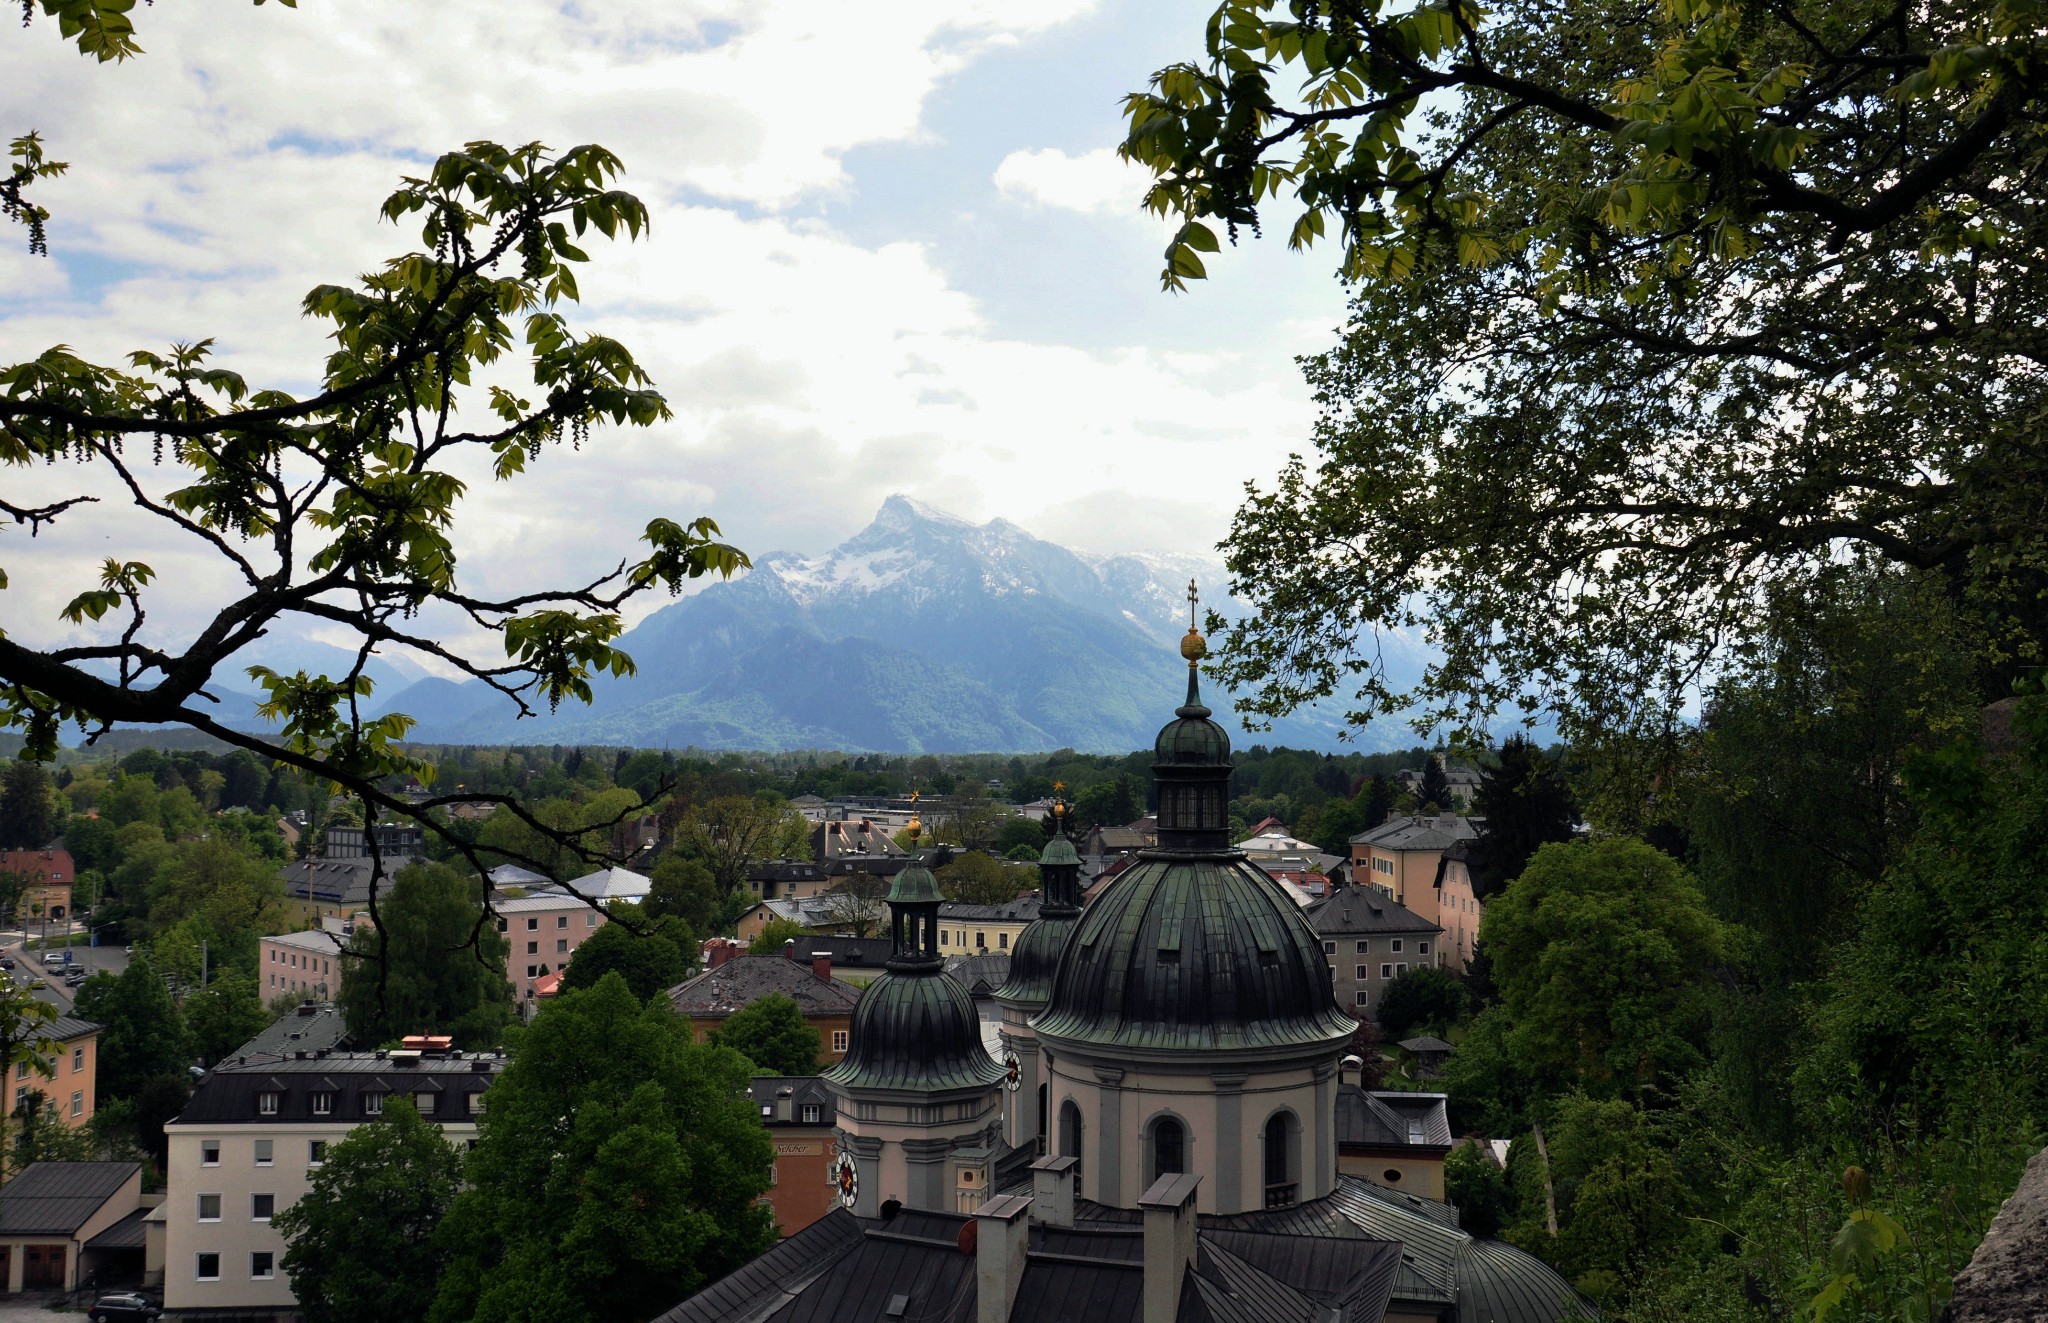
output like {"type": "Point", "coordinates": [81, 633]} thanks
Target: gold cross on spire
{"type": "Point", "coordinates": [1193, 598]}
{"type": "Point", "coordinates": [1193, 647]}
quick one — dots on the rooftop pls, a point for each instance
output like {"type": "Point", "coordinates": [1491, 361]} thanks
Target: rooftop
{"type": "Point", "coordinates": [57, 1198]}
{"type": "Point", "coordinates": [744, 979]}
{"type": "Point", "coordinates": [311, 1026]}
{"type": "Point", "coordinates": [1365, 909]}
{"type": "Point", "coordinates": [1431, 833]}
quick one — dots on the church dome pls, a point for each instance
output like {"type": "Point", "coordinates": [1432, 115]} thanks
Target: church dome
{"type": "Point", "coordinates": [915, 1032]}
{"type": "Point", "coordinates": [1035, 959]}
{"type": "Point", "coordinates": [1193, 952]}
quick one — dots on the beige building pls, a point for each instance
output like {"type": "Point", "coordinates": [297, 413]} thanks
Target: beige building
{"type": "Point", "coordinates": [251, 1137]}
{"type": "Point", "coordinates": [1401, 857]}
{"type": "Point", "coordinates": [1369, 940]}
{"type": "Point", "coordinates": [53, 1211]}
{"type": "Point", "coordinates": [972, 929]}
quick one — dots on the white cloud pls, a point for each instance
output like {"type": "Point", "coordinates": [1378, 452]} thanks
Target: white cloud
{"type": "Point", "coordinates": [1096, 181]}
{"type": "Point", "coordinates": [241, 161]}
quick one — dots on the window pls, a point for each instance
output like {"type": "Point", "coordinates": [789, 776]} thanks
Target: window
{"type": "Point", "coordinates": [942, 936]}
{"type": "Point", "coordinates": [502, 925]}
{"type": "Point", "coordinates": [1281, 1191]}
{"type": "Point", "coordinates": [1364, 971]}
{"type": "Point", "coordinates": [1329, 948]}
{"type": "Point", "coordinates": [209, 1152]}
{"type": "Point", "coordinates": [209, 1208]}
{"type": "Point", "coordinates": [1169, 1147]}
{"type": "Point", "coordinates": [423, 1103]}
{"type": "Point", "coordinates": [1003, 941]}
{"type": "Point", "coordinates": [1422, 948]}
{"type": "Point", "coordinates": [981, 941]}
{"type": "Point", "coordinates": [261, 1265]}
{"type": "Point", "coordinates": [1396, 946]}
{"type": "Point", "coordinates": [561, 945]}
{"type": "Point", "coordinates": [316, 1152]}
{"type": "Point", "coordinates": [811, 1114]}
{"type": "Point", "coordinates": [323, 1104]}
{"type": "Point", "coordinates": [590, 919]}
{"type": "Point", "coordinates": [266, 1104]}
{"type": "Point", "coordinates": [839, 1040]}
{"type": "Point", "coordinates": [21, 1070]}
{"type": "Point", "coordinates": [373, 1104]}
{"type": "Point", "coordinates": [561, 921]}
{"type": "Point", "coordinates": [473, 1103]}
{"type": "Point", "coordinates": [1361, 998]}
{"type": "Point", "coordinates": [77, 1060]}
{"type": "Point", "coordinates": [533, 948]}
{"type": "Point", "coordinates": [263, 1148]}
{"type": "Point", "coordinates": [206, 1267]}
{"type": "Point", "coordinates": [1401, 968]}
{"type": "Point", "coordinates": [261, 1206]}
{"type": "Point", "coordinates": [78, 1102]}
{"type": "Point", "coordinates": [532, 925]}
{"type": "Point", "coordinates": [1386, 971]}
{"type": "Point", "coordinates": [1070, 1131]}
{"type": "Point", "coordinates": [1365, 947]}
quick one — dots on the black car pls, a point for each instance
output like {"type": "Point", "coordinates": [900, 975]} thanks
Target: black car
{"type": "Point", "coordinates": [123, 1307]}
{"type": "Point", "coordinates": [6, 962]}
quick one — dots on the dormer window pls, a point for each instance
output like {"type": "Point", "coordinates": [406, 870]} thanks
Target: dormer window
{"type": "Point", "coordinates": [266, 1104]}
{"type": "Point", "coordinates": [323, 1104]}
{"type": "Point", "coordinates": [373, 1104]}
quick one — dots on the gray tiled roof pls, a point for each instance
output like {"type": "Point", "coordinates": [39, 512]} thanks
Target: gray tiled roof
{"type": "Point", "coordinates": [1392, 1119]}
{"type": "Point", "coordinates": [299, 1030]}
{"type": "Point", "coordinates": [1022, 910]}
{"type": "Point", "coordinates": [57, 1198]}
{"type": "Point", "coordinates": [745, 979]}
{"type": "Point", "coordinates": [804, 1090]}
{"type": "Point", "coordinates": [1431, 833]}
{"type": "Point", "coordinates": [1364, 909]}
{"type": "Point", "coordinates": [125, 1234]}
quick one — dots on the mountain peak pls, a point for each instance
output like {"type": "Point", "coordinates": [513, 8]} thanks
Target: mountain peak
{"type": "Point", "coordinates": [900, 510]}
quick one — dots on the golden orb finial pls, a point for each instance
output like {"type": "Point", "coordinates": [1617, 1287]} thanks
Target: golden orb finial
{"type": "Point", "coordinates": [1192, 645]}
{"type": "Point", "coordinates": [914, 827]}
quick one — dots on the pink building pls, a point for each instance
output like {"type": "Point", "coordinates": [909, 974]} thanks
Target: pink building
{"type": "Point", "coordinates": [308, 963]}
{"type": "Point", "coordinates": [542, 932]}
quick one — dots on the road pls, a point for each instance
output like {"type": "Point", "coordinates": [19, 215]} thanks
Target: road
{"type": "Point", "coordinates": [28, 965]}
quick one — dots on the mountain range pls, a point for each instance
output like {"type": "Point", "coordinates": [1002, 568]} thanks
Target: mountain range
{"type": "Point", "coordinates": [921, 633]}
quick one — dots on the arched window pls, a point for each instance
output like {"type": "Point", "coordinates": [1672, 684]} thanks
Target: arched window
{"type": "Point", "coordinates": [1044, 1104]}
{"type": "Point", "coordinates": [1070, 1131]}
{"type": "Point", "coordinates": [1282, 1189]}
{"type": "Point", "coordinates": [1169, 1147]}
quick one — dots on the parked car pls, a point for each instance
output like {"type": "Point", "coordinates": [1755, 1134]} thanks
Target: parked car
{"type": "Point", "coordinates": [123, 1307]}
{"type": "Point", "coordinates": [76, 978]}
{"type": "Point", "coordinates": [55, 957]}
{"type": "Point", "coordinates": [6, 962]}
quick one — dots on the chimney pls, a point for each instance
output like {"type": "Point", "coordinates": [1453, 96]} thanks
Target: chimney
{"type": "Point", "coordinates": [1169, 1243]}
{"type": "Point", "coordinates": [1052, 1190]}
{"type": "Point", "coordinates": [821, 964]}
{"type": "Point", "coordinates": [789, 947]}
{"type": "Point", "coordinates": [1002, 1236]}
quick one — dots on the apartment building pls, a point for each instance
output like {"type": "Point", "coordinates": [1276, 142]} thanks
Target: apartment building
{"type": "Point", "coordinates": [248, 1142]}
{"type": "Point", "coordinates": [308, 963]}
{"type": "Point", "coordinates": [541, 934]}
{"type": "Point", "coordinates": [70, 1046]}
{"type": "Point", "coordinates": [1369, 940]}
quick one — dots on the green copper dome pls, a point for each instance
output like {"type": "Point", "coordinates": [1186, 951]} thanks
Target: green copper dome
{"type": "Point", "coordinates": [1058, 852]}
{"type": "Point", "coordinates": [1036, 956]}
{"type": "Point", "coordinates": [915, 885]}
{"type": "Point", "coordinates": [1191, 739]}
{"type": "Point", "coordinates": [915, 1032]}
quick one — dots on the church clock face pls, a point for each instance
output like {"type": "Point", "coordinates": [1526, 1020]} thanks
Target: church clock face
{"type": "Point", "coordinates": [846, 1177]}
{"type": "Point", "coordinates": [1013, 1072]}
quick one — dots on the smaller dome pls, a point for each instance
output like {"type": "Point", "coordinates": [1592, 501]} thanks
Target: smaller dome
{"type": "Point", "coordinates": [1059, 851]}
{"type": "Point", "coordinates": [915, 1032]}
{"type": "Point", "coordinates": [1191, 739]}
{"type": "Point", "coordinates": [915, 885]}
{"type": "Point", "coordinates": [1036, 958]}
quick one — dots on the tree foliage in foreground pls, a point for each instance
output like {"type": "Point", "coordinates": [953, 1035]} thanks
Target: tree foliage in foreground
{"type": "Point", "coordinates": [360, 1243]}
{"type": "Point", "coordinates": [773, 1034]}
{"type": "Point", "coordinates": [617, 1170]}
{"type": "Point", "coordinates": [651, 957]}
{"type": "Point", "coordinates": [1726, 288]}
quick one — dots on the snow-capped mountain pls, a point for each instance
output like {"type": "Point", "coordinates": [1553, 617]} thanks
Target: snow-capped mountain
{"type": "Point", "coordinates": [923, 632]}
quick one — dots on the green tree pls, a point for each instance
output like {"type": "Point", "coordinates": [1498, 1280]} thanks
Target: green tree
{"type": "Point", "coordinates": [773, 1034]}
{"type": "Point", "coordinates": [28, 807]}
{"type": "Point", "coordinates": [360, 1243]}
{"type": "Point", "coordinates": [224, 1014]}
{"type": "Point", "coordinates": [684, 888]}
{"type": "Point", "coordinates": [1602, 953]}
{"type": "Point", "coordinates": [1020, 832]}
{"type": "Point", "coordinates": [1478, 1188]}
{"type": "Point", "coordinates": [774, 933]}
{"type": "Point", "coordinates": [1435, 787]}
{"type": "Point", "coordinates": [142, 1031]}
{"type": "Point", "coordinates": [384, 431]}
{"type": "Point", "coordinates": [434, 964]}
{"type": "Point", "coordinates": [1708, 278]}
{"type": "Point", "coordinates": [25, 1039]}
{"type": "Point", "coordinates": [729, 831]}
{"type": "Point", "coordinates": [235, 888]}
{"type": "Point", "coordinates": [45, 1136]}
{"type": "Point", "coordinates": [651, 961]}
{"type": "Point", "coordinates": [1339, 821]}
{"type": "Point", "coordinates": [974, 878]}
{"type": "Point", "coordinates": [1522, 803]}
{"type": "Point", "coordinates": [1423, 1000]}
{"type": "Point", "coordinates": [617, 1170]}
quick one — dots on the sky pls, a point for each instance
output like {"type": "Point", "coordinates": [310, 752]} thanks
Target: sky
{"type": "Point", "coordinates": [892, 251]}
